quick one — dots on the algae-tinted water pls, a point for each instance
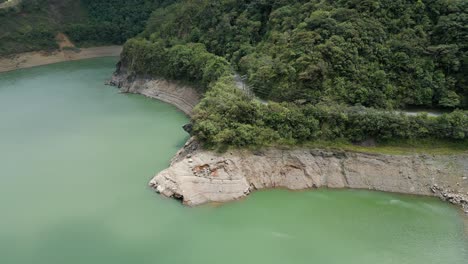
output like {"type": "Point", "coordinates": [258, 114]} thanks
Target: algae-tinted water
{"type": "Point", "coordinates": [75, 159]}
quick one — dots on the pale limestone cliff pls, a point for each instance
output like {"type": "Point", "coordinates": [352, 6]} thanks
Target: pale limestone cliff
{"type": "Point", "coordinates": [197, 176]}
{"type": "Point", "coordinates": [176, 93]}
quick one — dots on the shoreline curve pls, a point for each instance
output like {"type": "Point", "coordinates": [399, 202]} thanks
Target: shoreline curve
{"type": "Point", "coordinates": [198, 176]}
{"type": "Point", "coordinates": [184, 97]}
{"type": "Point", "coordinates": [40, 58]}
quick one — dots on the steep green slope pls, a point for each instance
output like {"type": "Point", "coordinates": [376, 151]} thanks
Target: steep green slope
{"type": "Point", "coordinates": [380, 53]}
{"type": "Point", "coordinates": [320, 60]}
{"type": "Point", "coordinates": [226, 116]}
{"type": "Point", "coordinates": [34, 24]}
{"type": "Point", "coordinates": [112, 21]}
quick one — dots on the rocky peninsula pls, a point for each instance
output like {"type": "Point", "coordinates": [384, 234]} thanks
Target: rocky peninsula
{"type": "Point", "coordinates": [198, 176]}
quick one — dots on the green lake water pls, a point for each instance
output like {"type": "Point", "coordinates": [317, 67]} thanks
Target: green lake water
{"type": "Point", "coordinates": [75, 160]}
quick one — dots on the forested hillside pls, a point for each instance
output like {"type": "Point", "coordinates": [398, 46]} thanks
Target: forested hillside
{"type": "Point", "coordinates": [380, 53]}
{"type": "Point", "coordinates": [318, 62]}
{"type": "Point", "coordinates": [34, 24]}
{"type": "Point", "coordinates": [113, 21]}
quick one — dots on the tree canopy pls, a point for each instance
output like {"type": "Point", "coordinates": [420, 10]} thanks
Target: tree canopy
{"type": "Point", "coordinates": [113, 21]}
{"type": "Point", "coordinates": [379, 53]}
{"type": "Point", "coordinates": [34, 24]}
{"type": "Point", "coordinates": [331, 69]}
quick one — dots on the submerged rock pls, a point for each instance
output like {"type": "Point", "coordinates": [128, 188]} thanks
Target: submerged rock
{"type": "Point", "coordinates": [188, 128]}
{"type": "Point", "coordinates": [451, 196]}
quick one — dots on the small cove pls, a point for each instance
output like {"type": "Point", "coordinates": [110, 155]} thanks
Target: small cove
{"type": "Point", "coordinates": [75, 160]}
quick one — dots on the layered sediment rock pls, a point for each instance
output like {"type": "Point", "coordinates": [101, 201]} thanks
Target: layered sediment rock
{"type": "Point", "coordinates": [182, 96]}
{"type": "Point", "coordinates": [198, 176]}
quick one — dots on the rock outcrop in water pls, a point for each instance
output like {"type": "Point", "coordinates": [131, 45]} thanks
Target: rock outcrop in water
{"type": "Point", "coordinates": [197, 176]}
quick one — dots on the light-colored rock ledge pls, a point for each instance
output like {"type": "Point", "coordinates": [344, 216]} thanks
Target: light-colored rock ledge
{"type": "Point", "coordinates": [197, 176]}
{"type": "Point", "coordinates": [183, 96]}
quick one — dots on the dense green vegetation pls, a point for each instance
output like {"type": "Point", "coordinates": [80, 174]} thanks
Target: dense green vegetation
{"type": "Point", "coordinates": [189, 62]}
{"type": "Point", "coordinates": [113, 21]}
{"type": "Point", "coordinates": [228, 117]}
{"type": "Point", "coordinates": [35, 23]}
{"type": "Point", "coordinates": [379, 53]}
{"type": "Point", "coordinates": [321, 61]}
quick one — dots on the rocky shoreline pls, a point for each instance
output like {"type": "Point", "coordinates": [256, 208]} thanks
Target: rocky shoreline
{"type": "Point", "coordinates": [182, 96]}
{"type": "Point", "coordinates": [197, 176]}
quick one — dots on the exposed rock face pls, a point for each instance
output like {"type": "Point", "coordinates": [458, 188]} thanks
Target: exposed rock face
{"type": "Point", "coordinates": [178, 94]}
{"type": "Point", "coordinates": [198, 176]}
